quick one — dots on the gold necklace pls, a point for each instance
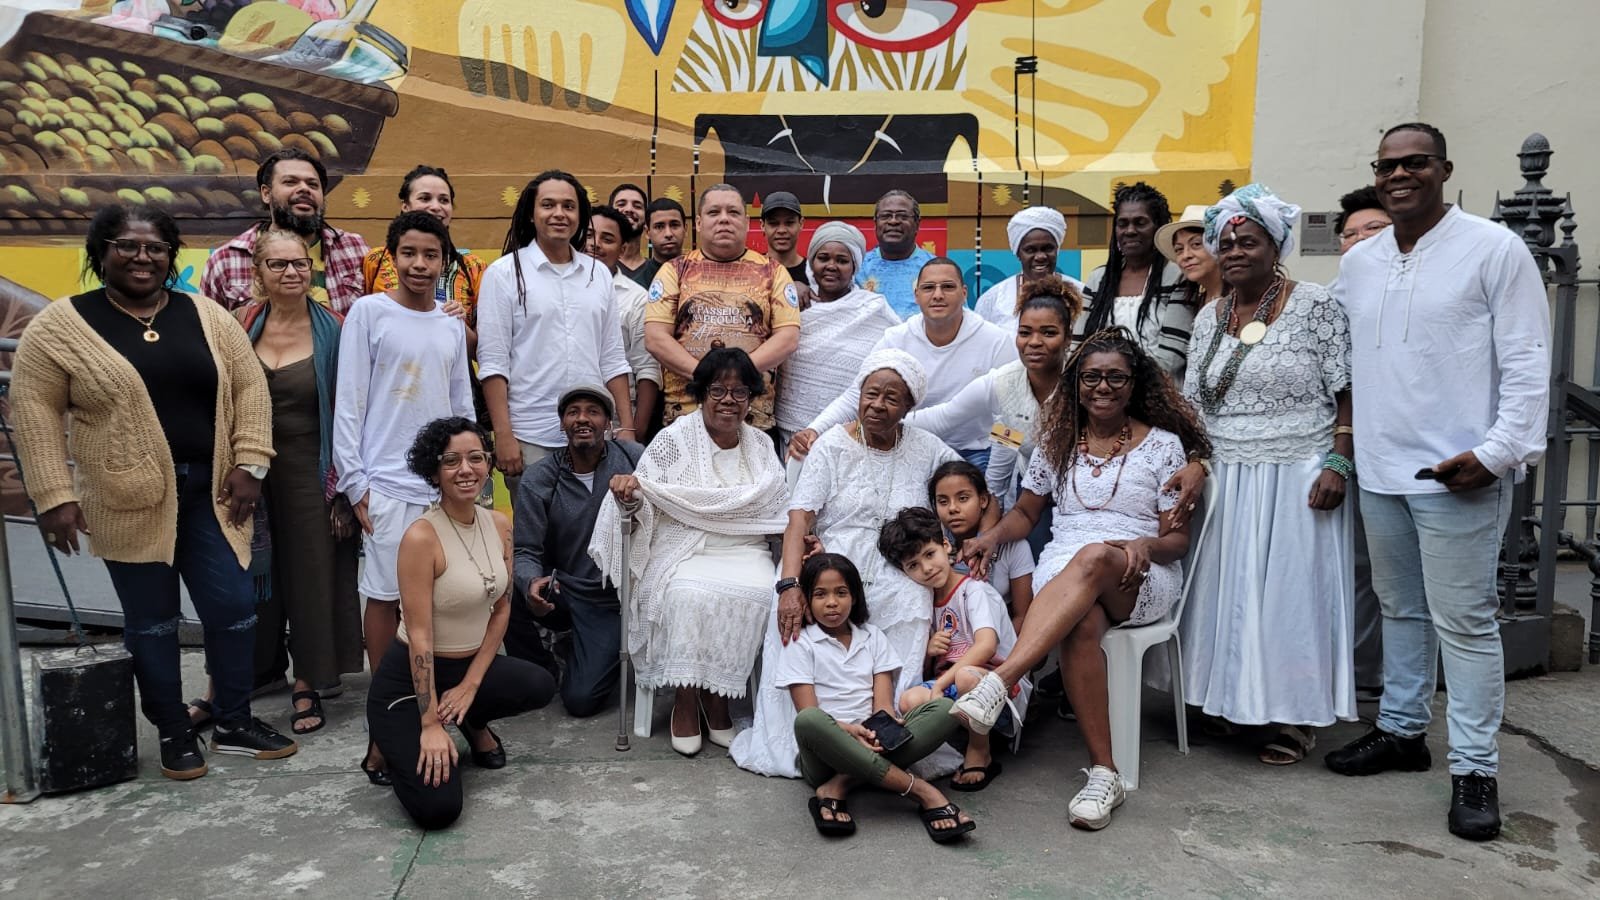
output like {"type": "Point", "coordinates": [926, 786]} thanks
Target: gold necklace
{"type": "Point", "coordinates": [486, 577]}
{"type": "Point", "coordinates": [150, 334]}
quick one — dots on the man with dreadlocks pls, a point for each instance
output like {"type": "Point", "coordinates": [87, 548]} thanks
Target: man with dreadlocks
{"type": "Point", "coordinates": [547, 320]}
{"type": "Point", "coordinates": [1112, 435]}
{"type": "Point", "coordinates": [1137, 288]}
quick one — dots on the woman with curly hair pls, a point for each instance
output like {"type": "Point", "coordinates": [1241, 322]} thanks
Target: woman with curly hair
{"type": "Point", "coordinates": [1269, 640]}
{"type": "Point", "coordinates": [1112, 437]}
{"type": "Point", "coordinates": [443, 667]}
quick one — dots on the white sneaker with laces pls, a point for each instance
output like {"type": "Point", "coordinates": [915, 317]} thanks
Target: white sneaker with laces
{"type": "Point", "coordinates": [1091, 808]}
{"type": "Point", "coordinates": [980, 707]}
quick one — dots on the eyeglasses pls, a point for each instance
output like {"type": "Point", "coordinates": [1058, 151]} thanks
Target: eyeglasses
{"type": "Point", "coordinates": [1414, 163]}
{"type": "Point", "coordinates": [1117, 380]}
{"type": "Point", "coordinates": [129, 249]}
{"type": "Point", "coordinates": [303, 264]}
{"type": "Point", "coordinates": [895, 216]}
{"type": "Point", "coordinates": [1369, 229]}
{"type": "Point", "coordinates": [723, 392]}
{"type": "Point", "coordinates": [454, 460]}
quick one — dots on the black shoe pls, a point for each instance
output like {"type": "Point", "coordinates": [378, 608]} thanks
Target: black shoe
{"type": "Point", "coordinates": [1050, 686]}
{"type": "Point", "coordinates": [1379, 751]}
{"type": "Point", "coordinates": [180, 756]}
{"type": "Point", "coordinates": [487, 759]}
{"type": "Point", "coordinates": [1474, 806]}
{"type": "Point", "coordinates": [253, 738]}
{"type": "Point", "coordinates": [1064, 710]}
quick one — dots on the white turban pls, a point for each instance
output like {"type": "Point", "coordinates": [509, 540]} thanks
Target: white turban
{"type": "Point", "coordinates": [843, 232]}
{"type": "Point", "coordinates": [1260, 205]}
{"type": "Point", "coordinates": [1042, 218]}
{"type": "Point", "coordinates": [901, 363]}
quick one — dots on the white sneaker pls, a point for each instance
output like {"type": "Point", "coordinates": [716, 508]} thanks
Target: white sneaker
{"type": "Point", "coordinates": [1091, 808]}
{"type": "Point", "coordinates": [980, 707]}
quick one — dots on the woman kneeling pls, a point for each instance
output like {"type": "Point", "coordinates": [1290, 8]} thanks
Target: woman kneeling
{"type": "Point", "coordinates": [443, 668]}
{"type": "Point", "coordinates": [1113, 436]}
{"type": "Point", "coordinates": [840, 672]}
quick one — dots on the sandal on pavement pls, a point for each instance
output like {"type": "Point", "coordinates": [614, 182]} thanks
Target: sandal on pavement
{"type": "Point", "coordinates": [1289, 746]}
{"type": "Point", "coordinates": [380, 776]}
{"type": "Point", "coordinates": [989, 772]}
{"type": "Point", "coordinates": [208, 713]}
{"type": "Point", "coordinates": [831, 827]}
{"type": "Point", "coordinates": [947, 812]}
{"type": "Point", "coordinates": [314, 711]}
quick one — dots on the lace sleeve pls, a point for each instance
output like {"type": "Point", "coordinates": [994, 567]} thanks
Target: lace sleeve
{"type": "Point", "coordinates": [1041, 476]}
{"type": "Point", "coordinates": [1332, 326]}
{"type": "Point", "coordinates": [1169, 459]}
{"type": "Point", "coordinates": [1205, 324]}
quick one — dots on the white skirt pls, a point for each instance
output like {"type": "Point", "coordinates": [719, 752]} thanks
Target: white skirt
{"type": "Point", "coordinates": [712, 619]}
{"type": "Point", "coordinates": [1268, 632]}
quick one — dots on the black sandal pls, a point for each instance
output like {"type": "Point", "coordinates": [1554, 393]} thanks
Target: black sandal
{"type": "Point", "coordinates": [380, 777]}
{"type": "Point", "coordinates": [990, 773]}
{"type": "Point", "coordinates": [948, 811]}
{"type": "Point", "coordinates": [831, 827]}
{"type": "Point", "coordinates": [314, 712]}
{"type": "Point", "coordinates": [485, 759]}
{"type": "Point", "coordinates": [204, 706]}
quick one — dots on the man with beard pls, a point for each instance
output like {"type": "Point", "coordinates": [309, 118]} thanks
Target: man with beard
{"type": "Point", "coordinates": [291, 183]}
{"type": "Point", "coordinates": [892, 267]}
{"type": "Point", "coordinates": [721, 295]}
{"type": "Point", "coordinates": [630, 200]}
{"type": "Point", "coordinates": [554, 513]}
{"type": "Point", "coordinates": [665, 224]}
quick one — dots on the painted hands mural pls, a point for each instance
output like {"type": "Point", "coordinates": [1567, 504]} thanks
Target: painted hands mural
{"type": "Point", "coordinates": [978, 107]}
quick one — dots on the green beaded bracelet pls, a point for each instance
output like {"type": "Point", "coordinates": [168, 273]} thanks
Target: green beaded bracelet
{"type": "Point", "coordinates": [1340, 465]}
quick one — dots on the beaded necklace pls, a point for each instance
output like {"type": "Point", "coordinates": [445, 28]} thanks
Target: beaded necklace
{"type": "Point", "coordinates": [1123, 438]}
{"type": "Point", "coordinates": [1211, 395]}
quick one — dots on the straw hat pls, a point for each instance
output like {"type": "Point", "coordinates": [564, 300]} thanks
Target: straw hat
{"type": "Point", "coordinates": [1194, 216]}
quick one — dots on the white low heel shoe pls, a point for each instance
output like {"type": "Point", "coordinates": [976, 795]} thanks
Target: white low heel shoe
{"type": "Point", "coordinates": [722, 737]}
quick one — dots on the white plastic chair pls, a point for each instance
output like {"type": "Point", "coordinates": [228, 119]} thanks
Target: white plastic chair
{"type": "Point", "coordinates": [1125, 649]}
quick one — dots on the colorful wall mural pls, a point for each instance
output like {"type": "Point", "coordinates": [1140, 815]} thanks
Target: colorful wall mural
{"type": "Point", "coordinates": [978, 107]}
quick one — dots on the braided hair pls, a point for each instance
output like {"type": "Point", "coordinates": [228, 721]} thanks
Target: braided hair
{"type": "Point", "coordinates": [522, 231]}
{"type": "Point", "coordinates": [1104, 294]}
{"type": "Point", "coordinates": [1155, 401]}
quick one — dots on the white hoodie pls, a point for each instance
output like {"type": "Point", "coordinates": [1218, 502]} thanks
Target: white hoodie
{"type": "Point", "coordinates": [979, 346]}
{"type": "Point", "coordinates": [1450, 351]}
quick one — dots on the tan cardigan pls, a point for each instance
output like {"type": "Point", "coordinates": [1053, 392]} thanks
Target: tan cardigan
{"type": "Point", "coordinates": [125, 481]}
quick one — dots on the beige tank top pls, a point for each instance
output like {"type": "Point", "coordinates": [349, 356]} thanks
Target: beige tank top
{"type": "Point", "coordinates": [474, 578]}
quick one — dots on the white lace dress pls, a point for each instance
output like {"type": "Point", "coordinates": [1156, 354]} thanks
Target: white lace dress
{"type": "Point", "coordinates": [853, 490]}
{"type": "Point", "coordinates": [1267, 632]}
{"type": "Point", "coordinates": [1095, 513]}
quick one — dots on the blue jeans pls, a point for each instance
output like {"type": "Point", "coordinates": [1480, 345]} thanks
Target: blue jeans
{"type": "Point", "coordinates": [978, 457]}
{"type": "Point", "coordinates": [1433, 567]}
{"type": "Point", "coordinates": [222, 595]}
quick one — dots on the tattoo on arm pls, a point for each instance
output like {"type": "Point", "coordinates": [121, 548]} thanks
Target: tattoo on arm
{"type": "Point", "coordinates": [422, 680]}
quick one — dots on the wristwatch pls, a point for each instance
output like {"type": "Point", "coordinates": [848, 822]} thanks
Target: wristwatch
{"type": "Point", "coordinates": [256, 472]}
{"type": "Point", "coordinates": [784, 584]}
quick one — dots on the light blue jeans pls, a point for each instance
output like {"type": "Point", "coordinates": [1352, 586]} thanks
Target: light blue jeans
{"type": "Point", "coordinates": [1433, 567]}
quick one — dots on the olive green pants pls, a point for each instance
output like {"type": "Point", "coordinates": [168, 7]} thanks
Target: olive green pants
{"type": "Point", "coordinates": [827, 750]}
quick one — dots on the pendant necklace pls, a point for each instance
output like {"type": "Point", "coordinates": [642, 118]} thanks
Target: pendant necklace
{"type": "Point", "coordinates": [487, 577]}
{"type": "Point", "coordinates": [150, 334]}
{"type": "Point", "coordinates": [1249, 335]}
{"type": "Point", "coordinates": [1122, 463]}
{"type": "Point", "coordinates": [1116, 449]}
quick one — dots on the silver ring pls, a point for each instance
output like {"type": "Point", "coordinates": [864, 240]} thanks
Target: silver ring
{"type": "Point", "coordinates": [50, 537]}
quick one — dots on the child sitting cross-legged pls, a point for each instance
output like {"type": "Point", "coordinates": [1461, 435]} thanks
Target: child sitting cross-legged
{"type": "Point", "coordinates": [970, 633]}
{"type": "Point", "coordinates": [840, 672]}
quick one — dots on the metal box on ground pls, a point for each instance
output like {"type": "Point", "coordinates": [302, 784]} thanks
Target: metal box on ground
{"type": "Point", "coordinates": [84, 730]}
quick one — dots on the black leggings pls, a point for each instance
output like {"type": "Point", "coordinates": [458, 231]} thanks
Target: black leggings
{"type": "Point", "coordinates": [510, 687]}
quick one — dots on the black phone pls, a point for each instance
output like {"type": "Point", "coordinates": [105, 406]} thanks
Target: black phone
{"type": "Point", "coordinates": [1428, 474]}
{"type": "Point", "coordinates": [890, 734]}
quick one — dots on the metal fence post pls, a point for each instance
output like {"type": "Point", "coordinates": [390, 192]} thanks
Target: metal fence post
{"type": "Point", "coordinates": [16, 749]}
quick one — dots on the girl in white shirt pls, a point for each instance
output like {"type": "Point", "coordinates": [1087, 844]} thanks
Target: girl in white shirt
{"type": "Point", "coordinates": [839, 672]}
{"type": "Point", "coordinates": [961, 499]}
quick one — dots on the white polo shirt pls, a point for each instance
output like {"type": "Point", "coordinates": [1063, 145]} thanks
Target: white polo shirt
{"type": "Point", "coordinates": [842, 677]}
{"type": "Point", "coordinates": [567, 331]}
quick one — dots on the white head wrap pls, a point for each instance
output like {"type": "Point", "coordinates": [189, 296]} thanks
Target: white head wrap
{"type": "Point", "coordinates": [1036, 217]}
{"type": "Point", "coordinates": [1260, 205]}
{"type": "Point", "coordinates": [843, 232]}
{"type": "Point", "coordinates": [903, 364]}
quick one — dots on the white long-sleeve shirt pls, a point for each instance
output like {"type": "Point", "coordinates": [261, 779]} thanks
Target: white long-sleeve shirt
{"type": "Point", "coordinates": [978, 347]}
{"type": "Point", "coordinates": [631, 301]}
{"type": "Point", "coordinates": [399, 369]}
{"type": "Point", "coordinates": [566, 332]}
{"type": "Point", "coordinates": [980, 402]}
{"type": "Point", "coordinates": [1449, 352]}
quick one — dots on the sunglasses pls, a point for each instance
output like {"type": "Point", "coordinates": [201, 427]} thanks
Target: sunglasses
{"type": "Point", "coordinates": [1414, 163]}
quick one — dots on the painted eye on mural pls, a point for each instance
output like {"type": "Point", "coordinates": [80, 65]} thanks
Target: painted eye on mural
{"type": "Point", "coordinates": [899, 26]}
{"type": "Point", "coordinates": [739, 14]}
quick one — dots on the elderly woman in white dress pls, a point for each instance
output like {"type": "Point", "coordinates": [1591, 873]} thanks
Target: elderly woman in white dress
{"type": "Point", "coordinates": [837, 330]}
{"type": "Point", "coordinates": [1268, 631]}
{"type": "Point", "coordinates": [857, 476]}
{"type": "Point", "coordinates": [709, 492]}
{"type": "Point", "coordinates": [1035, 236]}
